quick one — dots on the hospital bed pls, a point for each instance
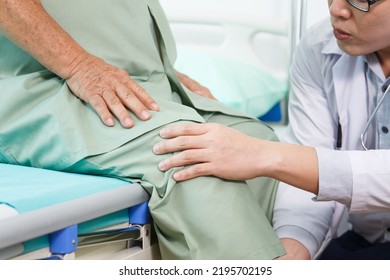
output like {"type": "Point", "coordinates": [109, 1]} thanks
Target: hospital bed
{"type": "Point", "coordinates": [57, 215]}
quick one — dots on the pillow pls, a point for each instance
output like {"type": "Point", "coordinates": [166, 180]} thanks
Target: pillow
{"type": "Point", "coordinates": [242, 86]}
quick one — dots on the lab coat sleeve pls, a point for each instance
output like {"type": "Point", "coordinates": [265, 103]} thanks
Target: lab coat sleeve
{"type": "Point", "coordinates": [370, 177]}
{"type": "Point", "coordinates": [298, 217]}
{"type": "Point", "coordinates": [311, 123]}
{"type": "Point", "coordinates": [335, 176]}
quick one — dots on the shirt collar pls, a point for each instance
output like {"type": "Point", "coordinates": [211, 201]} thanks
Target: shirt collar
{"type": "Point", "coordinates": [373, 63]}
{"type": "Point", "coordinates": [332, 48]}
{"type": "Point", "coordinates": [371, 59]}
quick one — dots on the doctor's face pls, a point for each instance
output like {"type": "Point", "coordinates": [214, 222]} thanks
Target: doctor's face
{"type": "Point", "coordinates": [359, 32]}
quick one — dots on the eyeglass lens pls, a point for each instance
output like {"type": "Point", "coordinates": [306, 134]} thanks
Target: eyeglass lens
{"type": "Point", "coordinates": [360, 4]}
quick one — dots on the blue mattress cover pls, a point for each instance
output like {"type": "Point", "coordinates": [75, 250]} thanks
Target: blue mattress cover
{"type": "Point", "coordinates": [28, 188]}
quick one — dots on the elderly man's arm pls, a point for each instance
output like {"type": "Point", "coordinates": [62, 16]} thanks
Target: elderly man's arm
{"type": "Point", "coordinates": [107, 89]}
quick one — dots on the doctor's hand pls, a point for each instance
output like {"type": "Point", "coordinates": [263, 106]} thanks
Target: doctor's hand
{"type": "Point", "coordinates": [210, 149]}
{"type": "Point", "coordinates": [110, 91]}
{"type": "Point", "coordinates": [295, 250]}
{"type": "Point", "coordinates": [194, 86]}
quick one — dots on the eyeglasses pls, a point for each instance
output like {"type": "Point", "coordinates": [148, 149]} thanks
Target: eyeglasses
{"type": "Point", "coordinates": [372, 117]}
{"type": "Point", "coordinates": [362, 5]}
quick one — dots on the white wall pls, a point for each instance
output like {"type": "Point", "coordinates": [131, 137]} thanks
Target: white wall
{"type": "Point", "coordinates": [257, 8]}
{"type": "Point", "coordinates": [275, 13]}
{"type": "Point", "coordinates": [317, 9]}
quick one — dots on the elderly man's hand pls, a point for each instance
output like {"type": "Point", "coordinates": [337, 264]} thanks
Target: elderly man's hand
{"type": "Point", "coordinates": [110, 91]}
{"type": "Point", "coordinates": [194, 86]}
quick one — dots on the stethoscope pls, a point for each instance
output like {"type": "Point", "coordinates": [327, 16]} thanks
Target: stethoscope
{"type": "Point", "coordinates": [372, 117]}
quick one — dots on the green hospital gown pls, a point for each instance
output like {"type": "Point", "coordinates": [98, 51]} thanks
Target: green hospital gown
{"type": "Point", "coordinates": [44, 125]}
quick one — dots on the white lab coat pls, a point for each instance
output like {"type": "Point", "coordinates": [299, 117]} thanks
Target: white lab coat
{"type": "Point", "coordinates": [328, 87]}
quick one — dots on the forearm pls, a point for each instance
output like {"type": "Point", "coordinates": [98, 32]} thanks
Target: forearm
{"type": "Point", "coordinates": [293, 164]}
{"type": "Point", "coordinates": [28, 25]}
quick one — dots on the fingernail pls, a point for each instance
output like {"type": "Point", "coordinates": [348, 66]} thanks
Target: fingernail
{"type": "Point", "coordinates": [161, 166]}
{"type": "Point", "coordinates": [146, 115]}
{"type": "Point", "coordinates": [128, 122]}
{"type": "Point", "coordinates": [155, 107]}
{"type": "Point", "coordinates": [163, 132]}
{"type": "Point", "coordinates": [176, 176]}
{"type": "Point", "coordinates": [156, 148]}
{"type": "Point", "coordinates": [110, 122]}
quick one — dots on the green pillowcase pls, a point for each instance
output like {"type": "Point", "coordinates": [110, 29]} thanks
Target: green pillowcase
{"type": "Point", "coordinates": [242, 86]}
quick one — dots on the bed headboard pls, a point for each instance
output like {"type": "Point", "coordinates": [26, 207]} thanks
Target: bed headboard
{"type": "Point", "coordinates": [254, 33]}
{"type": "Point", "coordinates": [247, 32]}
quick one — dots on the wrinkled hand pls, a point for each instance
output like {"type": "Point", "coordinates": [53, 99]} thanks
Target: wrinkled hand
{"type": "Point", "coordinates": [194, 86]}
{"type": "Point", "coordinates": [110, 91]}
{"type": "Point", "coordinates": [208, 149]}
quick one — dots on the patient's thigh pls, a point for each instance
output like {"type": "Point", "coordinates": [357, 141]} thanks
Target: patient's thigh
{"type": "Point", "coordinates": [136, 161]}
{"type": "Point", "coordinates": [201, 215]}
{"type": "Point", "coordinates": [264, 189]}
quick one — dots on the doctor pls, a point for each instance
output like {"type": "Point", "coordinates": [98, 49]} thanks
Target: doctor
{"type": "Point", "coordinates": [338, 138]}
